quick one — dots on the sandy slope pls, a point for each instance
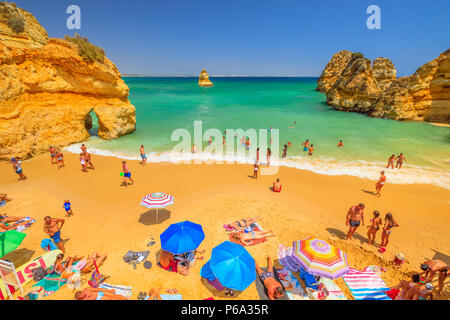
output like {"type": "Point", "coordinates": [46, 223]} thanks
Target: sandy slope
{"type": "Point", "coordinates": [108, 217]}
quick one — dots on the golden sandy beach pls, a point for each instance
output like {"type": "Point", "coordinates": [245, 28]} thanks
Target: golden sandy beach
{"type": "Point", "coordinates": [109, 219]}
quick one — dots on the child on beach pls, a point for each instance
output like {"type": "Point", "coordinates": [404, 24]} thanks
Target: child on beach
{"type": "Point", "coordinates": [374, 227]}
{"type": "Point", "coordinates": [391, 161]}
{"type": "Point", "coordinates": [52, 154]}
{"type": "Point", "coordinates": [126, 173]}
{"type": "Point", "coordinates": [60, 159]}
{"type": "Point", "coordinates": [17, 167]}
{"type": "Point", "coordinates": [274, 288]}
{"type": "Point", "coordinates": [143, 156]}
{"type": "Point", "coordinates": [388, 225]}
{"type": "Point", "coordinates": [380, 183]}
{"type": "Point", "coordinates": [83, 163]}
{"type": "Point", "coordinates": [68, 209]}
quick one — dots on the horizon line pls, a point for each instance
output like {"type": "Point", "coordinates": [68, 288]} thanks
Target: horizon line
{"type": "Point", "coordinates": [216, 76]}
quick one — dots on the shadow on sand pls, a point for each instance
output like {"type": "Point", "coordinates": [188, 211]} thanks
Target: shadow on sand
{"type": "Point", "coordinates": [220, 294]}
{"type": "Point", "coordinates": [342, 235]}
{"type": "Point", "coordinates": [369, 192]}
{"type": "Point", "coordinates": [149, 218]}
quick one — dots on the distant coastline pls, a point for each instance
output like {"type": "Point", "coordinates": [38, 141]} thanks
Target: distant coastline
{"type": "Point", "coordinates": [215, 76]}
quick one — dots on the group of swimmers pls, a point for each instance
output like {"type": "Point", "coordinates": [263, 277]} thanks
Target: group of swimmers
{"type": "Point", "coordinates": [354, 218]}
{"type": "Point", "coordinates": [398, 159]}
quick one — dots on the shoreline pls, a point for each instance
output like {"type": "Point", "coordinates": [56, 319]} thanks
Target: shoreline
{"type": "Point", "coordinates": [108, 218]}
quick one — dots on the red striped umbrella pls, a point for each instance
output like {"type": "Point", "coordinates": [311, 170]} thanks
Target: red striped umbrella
{"type": "Point", "coordinates": [158, 200]}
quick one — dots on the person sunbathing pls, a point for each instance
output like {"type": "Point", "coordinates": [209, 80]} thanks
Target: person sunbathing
{"type": "Point", "coordinates": [4, 197]}
{"type": "Point", "coordinates": [274, 288]}
{"type": "Point", "coordinates": [98, 294]}
{"type": "Point", "coordinates": [4, 227]}
{"type": "Point", "coordinates": [248, 239]}
{"type": "Point", "coordinates": [242, 224]}
{"type": "Point", "coordinates": [9, 219]}
{"type": "Point", "coordinates": [154, 294]}
{"type": "Point", "coordinates": [74, 264]}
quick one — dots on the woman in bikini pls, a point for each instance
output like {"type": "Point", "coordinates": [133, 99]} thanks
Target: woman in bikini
{"type": "Point", "coordinates": [60, 158]}
{"type": "Point", "coordinates": [380, 183]}
{"type": "Point", "coordinates": [247, 239]}
{"type": "Point", "coordinates": [242, 224]}
{"type": "Point", "coordinates": [391, 161]}
{"type": "Point", "coordinates": [374, 227]}
{"type": "Point", "coordinates": [83, 162]}
{"type": "Point", "coordinates": [388, 225]}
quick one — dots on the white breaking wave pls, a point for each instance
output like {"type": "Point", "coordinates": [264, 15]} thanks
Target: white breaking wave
{"type": "Point", "coordinates": [409, 174]}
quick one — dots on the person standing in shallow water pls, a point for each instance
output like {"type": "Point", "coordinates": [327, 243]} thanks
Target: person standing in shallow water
{"type": "Point", "coordinates": [355, 216]}
{"type": "Point", "coordinates": [311, 150]}
{"type": "Point", "coordinates": [305, 145]}
{"type": "Point", "coordinates": [143, 155]}
{"type": "Point", "coordinates": [400, 160]}
{"type": "Point", "coordinates": [285, 151]}
{"type": "Point", "coordinates": [391, 161]}
{"type": "Point", "coordinates": [257, 155]}
{"type": "Point", "coordinates": [380, 183]}
{"type": "Point", "coordinates": [269, 153]}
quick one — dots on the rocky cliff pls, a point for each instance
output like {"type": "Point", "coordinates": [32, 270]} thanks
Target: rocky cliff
{"type": "Point", "coordinates": [49, 87]}
{"type": "Point", "coordinates": [353, 83]}
{"type": "Point", "coordinates": [203, 80]}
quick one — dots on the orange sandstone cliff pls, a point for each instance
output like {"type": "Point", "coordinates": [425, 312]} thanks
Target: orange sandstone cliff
{"type": "Point", "coordinates": [48, 90]}
{"type": "Point", "coordinates": [203, 80]}
{"type": "Point", "coordinates": [353, 83]}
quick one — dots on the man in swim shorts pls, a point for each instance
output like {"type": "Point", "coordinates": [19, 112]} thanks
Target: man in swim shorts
{"type": "Point", "coordinates": [52, 154]}
{"type": "Point", "coordinates": [305, 145]}
{"type": "Point", "coordinates": [98, 294]}
{"type": "Point", "coordinates": [126, 173]}
{"type": "Point", "coordinates": [52, 227]}
{"type": "Point", "coordinates": [354, 217]}
{"type": "Point", "coordinates": [17, 166]}
{"type": "Point", "coordinates": [274, 288]}
{"type": "Point", "coordinates": [143, 155]}
{"type": "Point", "coordinates": [87, 158]}
{"type": "Point", "coordinates": [431, 267]}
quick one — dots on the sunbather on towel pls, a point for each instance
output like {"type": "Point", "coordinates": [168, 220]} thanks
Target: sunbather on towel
{"type": "Point", "coordinates": [4, 197]}
{"type": "Point", "coordinates": [248, 239]}
{"type": "Point", "coordinates": [98, 294]}
{"type": "Point", "coordinates": [274, 288]}
{"type": "Point", "coordinates": [9, 219]}
{"type": "Point", "coordinates": [242, 224]}
{"type": "Point", "coordinates": [4, 227]}
{"type": "Point", "coordinates": [74, 264]}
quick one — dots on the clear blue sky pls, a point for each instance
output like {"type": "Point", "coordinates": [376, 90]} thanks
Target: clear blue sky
{"type": "Point", "coordinates": [251, 37]}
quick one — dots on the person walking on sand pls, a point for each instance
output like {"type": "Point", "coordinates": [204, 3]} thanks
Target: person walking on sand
{"type": "Point", "coordinates": [355, 216]}
{"type": "Point", "coordinates": [143, 155]}
{"type": "Point", "coordinates": [255, 171]}
{"type": "Point", "coordinates": [269, 153]}
{"type": "Point", "coordinates": [431, 267]}
{"type": "Point", "coordinates": [257, 155]}
{"type": "Point", "coordinates": [277, 186]}
{"type": "Point", "coordinates": [126, 173]}
{"type": "Point", "coordinates": [400, 160]}
{"type": "Point", "coordinates": [305, 145]}
{"type": "Point", "coordinates": [374, 227]}
{"type": "Point", "coordinates": [389, 223]}
{"type": "Point", "coordinates": [67, 207]}
{"type": "Point", "coordinates": [83, 163]}
{"type": "Point", "coordinates": [87, 158]}
{"type": "Point", "coordinates": [60, 158]}
{"type": "Point", "coordinates": [17, 167]}
{"type": "Point", "coordinates": [52, 154]}
{"type": "Point", "coordinates": [380, 183]}
{"type": "Point", "coordinates": [274, 288]}
{"type": "Point", "coordinates": [391, 161]}
{"type": "Point", "coordinates": [311, 150]}
{"type": "Point", "coordinates": [340, 144]}
{"type": "Point", "coordinates": [52, 227]}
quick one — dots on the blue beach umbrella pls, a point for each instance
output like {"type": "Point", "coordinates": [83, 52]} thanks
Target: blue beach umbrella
{"type": "Point", "coordinates": [233, 266]}
{"type": "Point", "coordinates": [182, 237]}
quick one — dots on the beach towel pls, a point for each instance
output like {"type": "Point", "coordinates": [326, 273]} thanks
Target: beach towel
{"type": "Point", "coordinates": [118, 289]}
{"type": "Point", "coordinates": [262, 290]}
{"type": "Point", "coordinates": [48, 245]}
{"type": "Point", "coordinates": [286, 260]}
{"type": "Point", "coordinates": [297, 292]}
{"type": "Point", "coordinates": [51, 283]}
{"type": "Point", "coordinates": [169, 297]}
{"type": "Point", "coordinates": [366, 285]}
{"type": "Point", "coordinates": [256, 227]}
{"type": "Point", "coordinates": [334, 291]}
{"type": "Point", "coordinates": [3, 203]}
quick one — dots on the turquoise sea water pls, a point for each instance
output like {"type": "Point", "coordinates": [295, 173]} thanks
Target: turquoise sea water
{"type": "Point", "coordinates": [166, 104]}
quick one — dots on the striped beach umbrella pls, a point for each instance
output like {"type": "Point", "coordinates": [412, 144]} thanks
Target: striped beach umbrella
{"type": "Point", "coordinates": [320, 258]}
{"type": "Point", "coordinates": [158, 200]}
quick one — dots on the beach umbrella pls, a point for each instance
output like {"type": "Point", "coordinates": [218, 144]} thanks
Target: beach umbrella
{"type": "Point", "coordinates": [233, 266]}
{"type": "Point", "coordinates": [158, 200]}
{"type": "Point", "coordinates": [182, 237]}
{"type": "Point", "coordinates": [10, 241]}
{"type": "Point", "coordinates": [320, 258]}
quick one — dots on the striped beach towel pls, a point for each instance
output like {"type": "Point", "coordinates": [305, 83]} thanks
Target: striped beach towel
{"type": "Point", "coordinates": [334, 291]}
{"type": "Point", "coordinates": [119, 290]}
{"type": "Point", "coordinates": [366, 285]}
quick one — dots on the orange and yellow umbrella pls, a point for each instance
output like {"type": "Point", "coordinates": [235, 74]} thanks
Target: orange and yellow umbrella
{"type": "Point", "coordinates": [320, 258]}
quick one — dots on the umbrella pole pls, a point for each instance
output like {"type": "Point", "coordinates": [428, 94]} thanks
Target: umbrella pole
{"type": "Point", "coordinates": [157, 210]}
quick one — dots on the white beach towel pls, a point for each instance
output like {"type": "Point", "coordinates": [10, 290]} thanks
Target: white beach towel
{"type": "Point", "coordinates": [119, 290]}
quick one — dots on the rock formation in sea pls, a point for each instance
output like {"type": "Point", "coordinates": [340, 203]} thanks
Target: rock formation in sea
{"type": "Point", "coordinates": [203, 80]}
{"type": "Point", "coordinates": [49, 87]}
{"type": "Point", "coordinates": [353, 83]}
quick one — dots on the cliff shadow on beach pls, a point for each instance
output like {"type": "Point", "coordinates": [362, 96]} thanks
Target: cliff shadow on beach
{"type": "Point", "coordinates": [342, 235]}
{"type": "Point", "coordinates": [154, 216]}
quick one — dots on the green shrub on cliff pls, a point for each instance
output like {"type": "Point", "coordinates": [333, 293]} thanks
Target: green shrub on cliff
{"type": "Point", "coordinates": [87, 50]}
{"type": "Point", "coordinates": [17, 24]}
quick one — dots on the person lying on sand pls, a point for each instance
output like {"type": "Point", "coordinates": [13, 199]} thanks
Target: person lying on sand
{"type": "Point", "coordinates": [353, 219]}
{"type": "Point", "coordinates": [4, 227]}
{"type": "Point", "coordinates": [391, 161]}
{"type": "Point", "coordinates": [277, 186]}
{"type": "Point", "coordinates": [9, 219]}
{"type": "Point", "coordinates": [248, 239]}
{"type": "Point", "coordinates": [98, 294]}
{"type": "Point", "coordinates": [242, 224]}
{"type": "Point", "coordinates": [431, 267]}
{"type": "Point", "coordinates": [4, 197]}
{"type": "Point", "coordinates": [274, 288]}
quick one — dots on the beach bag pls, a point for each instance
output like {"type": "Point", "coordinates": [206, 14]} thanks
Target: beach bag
{"type": "Point", "coordinates": [38, 274]}
{"type": "Point", "coordinates": [96, 278]}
